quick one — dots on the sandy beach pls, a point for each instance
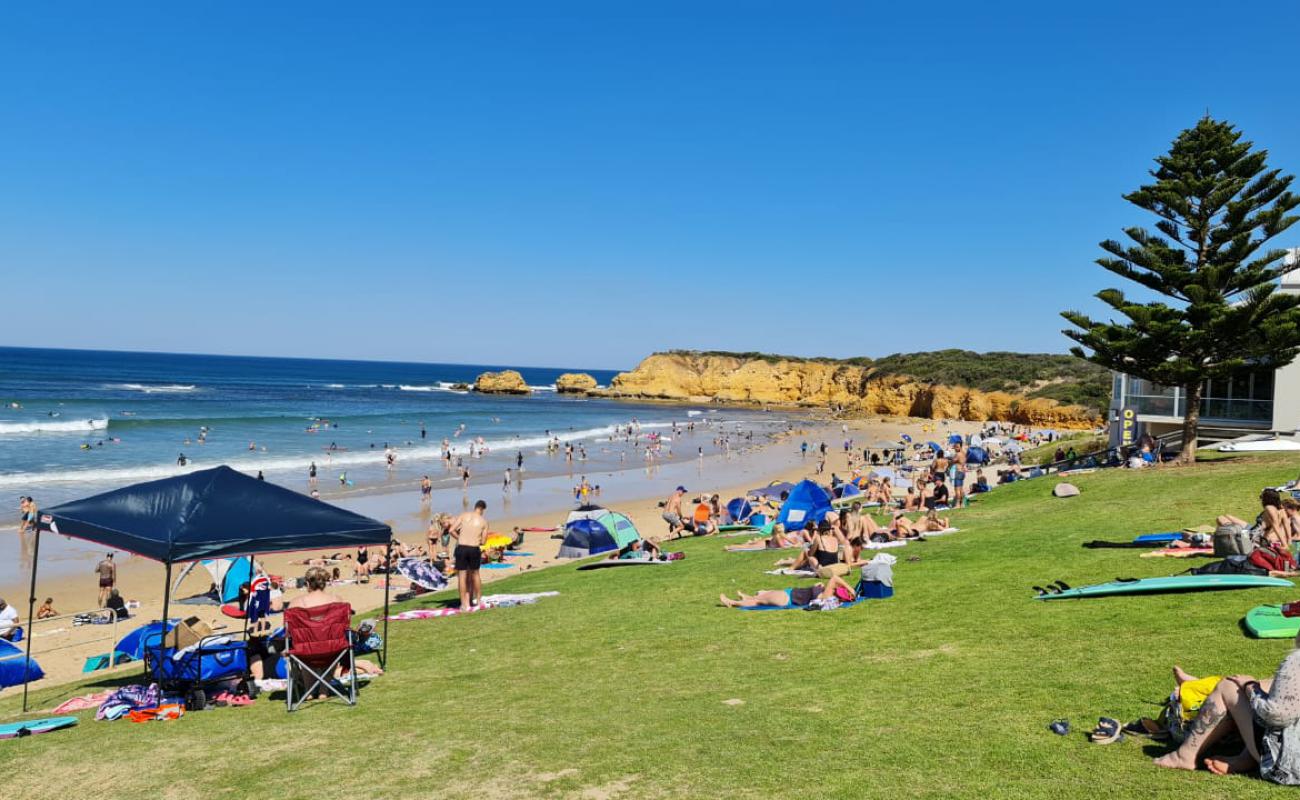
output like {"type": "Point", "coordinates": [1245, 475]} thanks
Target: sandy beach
{"type": "Point", "coordinates": [62, 648]}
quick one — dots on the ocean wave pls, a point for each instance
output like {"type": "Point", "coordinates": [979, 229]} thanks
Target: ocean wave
{"type": "Point", "coordinates": [52, 426]}
{"type": "Point", "coordinates": [550, 387]}
{"type": "Point", "coordinates": [294, 464]}
{"type": "Point", "coordinates": [154, 388]}
{"type": "Point", "coordinates": [440, 386]}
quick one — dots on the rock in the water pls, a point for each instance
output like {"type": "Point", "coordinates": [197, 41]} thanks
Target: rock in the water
{"type": "Point", "coordinates": [506, 381]}
{"type": "Point", "coordinates": [575, 382]}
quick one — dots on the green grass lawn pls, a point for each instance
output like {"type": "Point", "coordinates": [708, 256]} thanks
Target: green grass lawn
{"type": "Point", "coordinates": [634, 683]}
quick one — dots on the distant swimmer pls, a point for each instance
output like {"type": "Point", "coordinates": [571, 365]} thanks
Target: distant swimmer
{"type": "Point", "coordinates": [181, 460]}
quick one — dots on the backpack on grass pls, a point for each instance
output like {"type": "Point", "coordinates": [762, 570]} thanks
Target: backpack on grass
{"type": "Point", "coordinates": [1232, 565]}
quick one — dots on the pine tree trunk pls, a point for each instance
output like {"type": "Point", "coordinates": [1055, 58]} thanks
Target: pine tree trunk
{"type": "Point", "coordinates": [1191, 421]}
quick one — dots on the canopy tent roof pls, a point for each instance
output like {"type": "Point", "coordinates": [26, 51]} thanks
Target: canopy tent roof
{"type": "Point", "coordinates": [209, 514]}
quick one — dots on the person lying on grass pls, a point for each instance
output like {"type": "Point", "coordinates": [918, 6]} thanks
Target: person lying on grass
{"type": "Point", "coordinates": [802, 596]}
{"type": "Point", "coordinates": [933, 523]}
{"type": "Point", "coordinates": [779, 540]}
{"type": "Point", "coordinates": [1265, 714]}
{"type": "Point", "coordinates": [639, 550]}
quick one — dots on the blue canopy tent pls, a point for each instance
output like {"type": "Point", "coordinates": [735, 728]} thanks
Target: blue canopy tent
{"type": "Point", "coordinates": [977, 455]}
{"type": "Point", "coordinates": [847, 490]}
{"type": "Point", "coordinates": [807, 501]}
{"type": "Point", "coordinates": [208, 514]}
{"type": "Point", "coordinates": [955, 438]}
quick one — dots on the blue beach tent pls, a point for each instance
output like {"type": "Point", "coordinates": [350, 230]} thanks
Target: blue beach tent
{"type": "Point", "coordinates": [955, 438]}
{"type": "Point", "coordinates": [807, 501]}
{"type": "Point", "coordinates": [847, 490]}
{"type": "Point", "coordinates": [739, 510]}
{"type": "Point", "coordinates": [977, 455]}
{"type": "Point", "coordinates": [598, 533]}
{"type": "Point", "coordinates": [936, 447]}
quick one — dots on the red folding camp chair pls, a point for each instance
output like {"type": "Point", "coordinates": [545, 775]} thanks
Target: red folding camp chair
{"type": "Point", "coordinates": [317, 641]}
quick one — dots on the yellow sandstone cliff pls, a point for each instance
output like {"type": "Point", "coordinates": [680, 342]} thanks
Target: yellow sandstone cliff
{"type": "Point", "coordinates": [701, 378]}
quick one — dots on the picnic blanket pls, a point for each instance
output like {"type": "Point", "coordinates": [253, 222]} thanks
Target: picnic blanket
{"type": "Point", "coordinates": [1178, 552]}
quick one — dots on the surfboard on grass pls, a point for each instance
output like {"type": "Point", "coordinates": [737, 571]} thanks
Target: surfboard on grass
{"type": "Point", "coordinates": [31, 727]}
{"type": "Point", "coordinates": [1175, 583]}
{"type": "Point", "coordinates": [1267, 622]}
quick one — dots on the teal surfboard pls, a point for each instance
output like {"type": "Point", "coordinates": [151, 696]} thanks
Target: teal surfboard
{"type": "Point", "coordinates": [32, 727]}
{"type": "Point", "coordinates": [1176, 583]}
{"type": "Point", "coordinates": [1267, 622]}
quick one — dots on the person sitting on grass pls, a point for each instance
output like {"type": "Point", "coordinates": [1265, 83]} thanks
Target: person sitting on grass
{"type": "Point", "coordinates": [1265, 714]}
{"type": "Point", "coordinates": [823, 553]}
{"type": "Point", "coordinates": [779, 540]}
{"type": "Point", "coordinates": [801, 596]}
{"type": "Point", "coordinates": [981, 483]}
{"type": "Point", "coordinates": [912, 500]}
{"type": "Point", "coordinates": [933, 523]}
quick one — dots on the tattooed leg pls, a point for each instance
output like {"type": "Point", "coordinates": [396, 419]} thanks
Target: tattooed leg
{"type": "Point", "coordinates": [1210, 724]}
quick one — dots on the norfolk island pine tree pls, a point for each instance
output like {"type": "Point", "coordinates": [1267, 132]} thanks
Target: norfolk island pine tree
{"type": "Point", "coordinates": [1218, 203]}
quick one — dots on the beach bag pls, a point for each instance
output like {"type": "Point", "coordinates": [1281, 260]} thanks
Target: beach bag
{"type": "Point", "coordinates": [1232, 565]}
{"type": "Point", "coordinates": [1232, 540]}
{"type": "Point", "coordinates": [1270, 558]}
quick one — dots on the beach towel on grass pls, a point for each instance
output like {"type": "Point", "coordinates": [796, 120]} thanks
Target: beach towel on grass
{"type": "Point", "coordinates": [1178, 552]}
{"type": "Point", "coordinates": [488, 601]}
{"type": "Point", "coordinates": [942, 532]}
{"type": "Point", "coordinates": [792, 573]}
{"type": "Point", "coordinates": [792, 607]}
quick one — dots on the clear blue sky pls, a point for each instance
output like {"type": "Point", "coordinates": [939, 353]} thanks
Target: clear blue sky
{"type": "Point", "coordinates": [564, 183]}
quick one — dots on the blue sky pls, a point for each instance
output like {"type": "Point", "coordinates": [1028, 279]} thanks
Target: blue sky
{"type": "Point", "coordinates": [542, 183]}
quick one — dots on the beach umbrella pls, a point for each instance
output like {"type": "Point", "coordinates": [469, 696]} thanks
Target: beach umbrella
{"type": "Point", "coordinates": [739, 509]}
{"type": "Point", "coordinates": [421, 573]}
{"type": "Point", "coordinates": [955, 438]}
{"type": "Point", "coordinates": [497, 540]}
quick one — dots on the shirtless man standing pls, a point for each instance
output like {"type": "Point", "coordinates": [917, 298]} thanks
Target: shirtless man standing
{"type": "Point", "coordinates": [106, 571]}
{"type": "Point", "coordinates": [470, 530]}
{"type": "Point", "coordinates": [673, 512]}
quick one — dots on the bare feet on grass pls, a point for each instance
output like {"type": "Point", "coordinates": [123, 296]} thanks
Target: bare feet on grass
{"type": "Point", "coordinates": [1242, 762]}
{"type": "Point", "coordinates": [1174, 761]}
{"type": "Point", "coordinates": [727, 601]}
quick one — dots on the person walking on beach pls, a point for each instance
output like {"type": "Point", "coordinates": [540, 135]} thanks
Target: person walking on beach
{"type": "Point", "coordinates": [311, 475]}
{"type": "Point", "coordinates": [505, 484]}
{"type": "Point", "coordinates": [469, 530]}
{"type": "Point", "coordinates": [519, 461]}
{"type": "Point", "coordinates": [426, 489]}
{"type": "Point", "coordinates": [106, 570]}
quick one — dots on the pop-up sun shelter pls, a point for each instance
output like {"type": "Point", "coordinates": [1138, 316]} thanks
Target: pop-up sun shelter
{"type": "Point", "coordinates": [209, 514]}
{"type": "Point", "coordinates": [228, 575]}
{"type": "Point", "coordinates": [15, 667]}
{"type": "Point", "coordinates": [807, 501]}
{"type": "Point", "coordinates": [594, 531]}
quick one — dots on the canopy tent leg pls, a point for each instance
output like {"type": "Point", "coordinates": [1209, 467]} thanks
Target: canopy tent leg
{"type": "Point", "coordinates": [31, 610]}
{"type": "Point", "coordinates": [388, 585]}
{"type": "Point", "coordinates": [167, 600]}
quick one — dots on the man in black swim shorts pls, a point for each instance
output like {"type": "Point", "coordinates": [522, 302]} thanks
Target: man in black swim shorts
{"type": "Point", "coordinates": [470, 530]}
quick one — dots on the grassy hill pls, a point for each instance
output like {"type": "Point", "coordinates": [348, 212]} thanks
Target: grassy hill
{"type": "Point", "coordinates": [635, 684]}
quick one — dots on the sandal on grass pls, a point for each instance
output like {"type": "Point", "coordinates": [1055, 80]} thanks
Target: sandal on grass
{"type": "Point", "coordinates": [1060, 727]}
{"type": "Point", "coordinates": [1145, 726]}
{"type": "Point", "coordinates": [1108, 731]}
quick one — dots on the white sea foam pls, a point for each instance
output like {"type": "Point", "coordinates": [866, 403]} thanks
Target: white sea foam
{"type": "Point", "coordinates": [154, 388]}
{"type": "Point", "coordinates": [52, 426]}
{"type": "Point", "coordinates": [339, 460]}
{"type": "Point", "coordinates": [441, 386]}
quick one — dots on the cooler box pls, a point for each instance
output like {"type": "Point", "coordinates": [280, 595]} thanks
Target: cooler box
{"type": "Point", "coordinates": [876, 590]}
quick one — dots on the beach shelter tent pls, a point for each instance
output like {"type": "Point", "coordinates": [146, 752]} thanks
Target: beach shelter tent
{"type": "Point", "coordinates": [17, 667]}
{"type": "Point", "coordinates": [849, 489]}
{"type": "Point", "coordinates": [132, 644]}
{"type": "Point", "coordinates": [209, 514]}
{"type": "Point", "coordinates": [955, 438]}
{"type": "Point", "coordinates": [589, 536]}
{"type": "Point", "coordinates": [882, 472]}
{"type": "Point", "coordinates": [586, 512]}
{"type": "Point", "coordinates": [807, 501]}
{"type": "Point", "coordinates": [936, 447]}
{"type": "Point", "coordinates": [739, 509]}
{"type": "Point", "coordinates": [772, 490]}
{"type": "Point", "coordinates": [228, 574]}
{"type": "Point", "coordinates": [977, 455]}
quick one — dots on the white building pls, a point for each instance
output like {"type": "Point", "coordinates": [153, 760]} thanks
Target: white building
{"type": "Point", "coordinates": [1250, 401]}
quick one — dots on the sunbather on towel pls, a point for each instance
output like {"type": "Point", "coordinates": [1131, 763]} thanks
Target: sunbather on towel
{"type": "Point", "coordinates": [639, 550]}
{"type": "Point", "coordinates": [779, 540]}
{"type": "Point", "coordinates": [798, 596]}
{"type": "Point", "coordinates": [823, 554]}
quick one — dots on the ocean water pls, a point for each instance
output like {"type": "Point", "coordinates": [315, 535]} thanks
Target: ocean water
{"type": "Point", "coordinates": [77, 422]}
